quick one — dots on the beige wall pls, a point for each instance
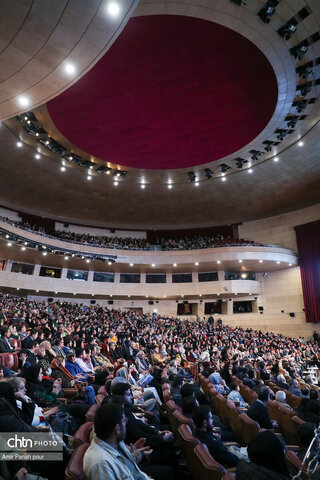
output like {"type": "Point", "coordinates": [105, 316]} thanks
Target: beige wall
{"type": "Point", "coordinates": [279, 230]}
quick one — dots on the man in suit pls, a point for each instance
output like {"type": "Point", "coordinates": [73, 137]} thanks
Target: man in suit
{"type": "Point", "coordinates": [28, 340]}
{"type": "Point", "coordinates": [5, 345]}
{"type": "Point", "coordinates": [203, 421]}
{"type": "Point", "coordinates": [258, 410]}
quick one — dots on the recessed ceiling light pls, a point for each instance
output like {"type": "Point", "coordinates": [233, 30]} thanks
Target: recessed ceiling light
{"type": "Point", "coordinates": [243, 275]}
{"type": "Point", "coordinates": [26, 243]}
{"type": "Point", "coordinates": [63, 169]}
{"type": "Point", "coordinates": [142, 186]}
{"type": "Point", "coordinates": [218, 294]}
{"type": "Point", "coordinates": [37, 134]}
{"type": "Point", "coordinates": [19, 144]}
{"type": "Point", "coordinates": [89, 177]}
{"type": "Point", "coordinates": [164, 296]}
{"type": "Point", "coordinates": [37, 156]}
{"type": "Point", "coordinates": [250, 293]}
{"type": "Point", "coordinates": [129, 296]}
{"type": "Point", "coordinates": [200, 295]}
{"type": "Point", "coordinates": [240, 261]}
{"type": "Point", "coordinates": [23, 100]}
{"type": "Point", "coordinates": [37, 291]}
{"type": "Point", "coordinates": [278, 262]}
{"type": "Point", "coordinates": [26, 118]}
{"type": "Point", "coordinates": [131, 264]}
{"type": "Point", "coordinates": [72, 255]}
{"type": "Point", "coordinates": [88, 261]}
{"type": "Point", "coordinates": [260, 261]}
{"type": "Point", "coordinates": [196, 264]}
{"type": "Point", "coordinates": [82, 257]}
{"type": "Point", "coordinates": [115, 183]}
{"type": "Point", "coordinates": [290, 264]}
{"type": "Point", "coordinates": [7, 236]}
{"type": "Point", "coordinates": [74, 294]}
{"type": "Point", "coordinates": [44, 253]}
{"type": "Point", "coordinates": [196, 184]}
{"type": "Point", "coordinates": [9, 244]}
{"type": "Point", "coordinates": [18, 288]}
{"type": "Point", "coordinates": [110, 295]}
{"type": "Point", "coordinates": [113, 9]}
{"type": "Point", "coordinates": [300, 144]}
{"type": "Point", "coordinates": [218, 261]}
{"type": "Point", "coordinates": [153, 265]}
{"type": "Point", "coordinates": [69, 68]}
{"type": "Point", "coordinates": [109, 263]}
{"type": "Point", "coordinates": [169, 186]}
{"type": "Point", "coordinates": [23, 248]}
{"type": "Point", "coordinates": [174, 264]}
{"type": "Point", "coordinates": [250, 170]}
{"type": "Point", "coordinates": [223, 179]}
{"type": "Point", "coordinates": [276, 159]}
{"type": "Point", "coordinates": [47, 142]}
{"type": "Point", "coordinates": [108, 172]}
{"type": "Point", "coordinates": [66, 258]}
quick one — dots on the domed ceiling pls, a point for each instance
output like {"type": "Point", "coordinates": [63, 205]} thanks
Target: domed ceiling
{"type": "Point", "coordinates": [172, 92]}
{"type": "Point", "coordinates": [186, 115]}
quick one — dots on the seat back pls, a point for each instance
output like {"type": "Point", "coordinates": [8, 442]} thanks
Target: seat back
{"type": "Point", "coordinates": [82, 435]}
{"type": "Point", "coordinates": [249, 429]}
{"type": "Point", "coordinates": [187, 441]}
{"type": "Point", "coordinates": [74, 470]}
{"type": "Point", "coordinates": [9, 360]}
{"type": "Point", "coordinates": [221, 405]}
{"type": "Point", "coordinates": [99, 398]}
{"type": "Point", "coordinates": [91, 413]}
{"type": "Point", "coordinates": [171, 406]}
{"type": "Point", "coordinates": [234, 420]}
{"type": "Point", "coordinates": [293, 400]}
{"type": "Point", "coordinates": [15, 343]}
{"type": "Point", "coordinates": [204, 466]}
{"type": "Point", "coordinates": [273, 409]}
{"type": "Point", "coordinates": [166, 395]}
{"type": "Point", "coordinates": [103, 390]}
{"type": "Point", "coordinates": [229, 476]}
{"type": "Point", "coordinates": [288, 428]}
{"type": "Point", "coordinates": [180, 419]}
{"type": "Point", "coordinates": [294, 463]}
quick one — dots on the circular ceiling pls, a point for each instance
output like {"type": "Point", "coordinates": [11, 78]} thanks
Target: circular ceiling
{"type": "Point", "coordinates": [172, 92]}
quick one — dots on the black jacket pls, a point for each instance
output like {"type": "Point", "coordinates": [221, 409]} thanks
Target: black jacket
{"type": "Point", "coordinates": [4, 347]}
{"type": "Point", "coordinates": [13, 420]}
{"type": "Point", "coordinates": [252, 471]}
{"type": "Point", "coordinates": [259, 412]}
{"type": "Point", "coordinates": [217, 449]}
{"type": "Point", "coordinates": [137, 429]}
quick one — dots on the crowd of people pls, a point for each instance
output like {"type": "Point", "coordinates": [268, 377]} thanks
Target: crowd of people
{"type": "Point", "coordinates": [135, 243]}
{"type": "Point", "coordinates": [132, 355]}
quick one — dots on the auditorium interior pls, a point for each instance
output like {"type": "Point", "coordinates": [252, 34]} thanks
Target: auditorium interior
{"type": "Point", "coordinates": [160, 175]}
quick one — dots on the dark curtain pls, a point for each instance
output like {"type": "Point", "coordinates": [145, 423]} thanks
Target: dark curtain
{"type": "Point", "coordinates": [308, 241]}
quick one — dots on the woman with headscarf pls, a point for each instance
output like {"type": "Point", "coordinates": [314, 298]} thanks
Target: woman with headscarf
{"type": "Point", "coordinates": [44, 394]}
{"type": "Point", "coordinates": [267, 459]}
{"type": "Point", "coordinates": [12, 418]}
{"type": "Point", "coordinates": [218, 383]}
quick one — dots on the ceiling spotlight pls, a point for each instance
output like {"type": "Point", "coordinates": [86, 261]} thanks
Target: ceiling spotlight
{"type": "Point", "coordinates": [250, 170]}
{"type": "Point", "coordinates": [142, 186]}
{"type": "Point", "coordinates": [89, 177]}
{"type": "Point", "coordinates": [44, 253]}
{"type": "Point", "coordinates": [278, 262]}
{"type": "Point", "coordinates": [26, 243]}
{"type": "Point", "coordinates": [37, 291]}
{"type": "Point", "coordinates": [268, 145]}
{"type": "Point", "coordinates": [174, 264]}
{"type": "Point", "coordinates": [301, 105]}
{"type": "Point", "coordinates": [88, 261]}
{"type": "Point", "coordinates": [169, 186]}
{"type": "Point", "coordinates": [290, 264]}
{"type": "Point", "coordinates": [116, 183]}
{"type": "Point", "coordinates": [300, 144]}
{"type": "Point", "coordinates": [260, 261]}
{"type": "Point", "coordinates": [299, 51]}
{"type": "Point", "coordinates": [153, 265]}
{"type": "Point", "coordinates": [240, 162]}
{"type": "Point", "coordinates": [196, 264]}
{"type": "Point", "coordinates": [292, 121]}
{"type": "Point", "coordinates": [69, 68]}
{"type": "Point", "coordinates": [224, 167]}
{"type": "Point", "coordinates": [113, 9]}
{"type": "Point", "coordinates": [208, 173]}
{"type": "Point", "coordinates": [218, 261]}
{"type": "Point", "coordinates": [192, 176]}
{"type": "Point", "coordinates": [37, 156]}
{"type": "Point", "coordinates": [23, 100]}
{"type": "Point", "coordinates": [19, 144]}
{"type": "Point", "coordinates": [23, 248]}
{"type": "Point", "coordinates": [224, 179]}
{"type": "Point", "coordinates": [9, 244]}
{"type": "Point", "coordinates": [276, 159]}
{"type": "Point", "coordinates": [7, 236]}
{"type": "Point", "coordinates": [109, 263]}
{"type": "Point", "coordinates": [66, 257]}
{"type": "Point", "coordinates": [197, 184]}
{"type": "Point", "coordinates": [240, 261]}
{"type": "Point", "coordinates": [256, 154]}
{"type": "Point", "coordinates": [63, 169]}
{"type": "Point", "coordinates": [266, 12]}
{"type": "Point", "coordinates": [131, 264]}
{"type": "Point", "coordinates": [243, 275]}
{"type": "Point", "coordinates": [37, 134]}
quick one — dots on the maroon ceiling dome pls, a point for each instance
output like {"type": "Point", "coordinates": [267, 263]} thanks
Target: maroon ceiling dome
{"type": "Point", "coordinates": [172, 92]}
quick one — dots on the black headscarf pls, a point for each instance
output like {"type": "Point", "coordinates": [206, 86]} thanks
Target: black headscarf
{"type": "Point", "coordinates": [7, 392]}
{"type": "Point", "coordinates": [32, 383]}
{"type": "Point", "coordinates": [267, 450]}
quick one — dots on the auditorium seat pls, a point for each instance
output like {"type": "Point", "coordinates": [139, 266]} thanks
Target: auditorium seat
{"type": "Point", "coordinates": [170, 408]}
{"type": "Point", "coordinates": [82, 435]}
{"type": "Point", "coordinates": [233, 416]}
{"type": "Point", "coordinates": [293, 400]}
{"type": "Point", "coordinates": [91, 413]}
{"type": "Point", "coordinates": [221, 407]}
{"type": "Point", "coordinates": [180, 419]}
{"type": "Point", "coordinates": [10, 360]}
{"type": "Point", "coordinates": [99, 398]}
{"type": "Point", "coordinates": [204, 467]}
{"type": "Point", "coordinates": [74, 470]}
{"type": "Point", "coordinates": [188, 442]}
{"type": "Point", "coordinates": [294, 463]}
{"type": "Point", "coordinates": [249, 429]}
{"type": "Point", "coordinates": [15, 343]}
{"type": "Point", "coordinates": [103, 390]}
{"type": "Point", "coordinates": [287, 427]}
{"type": "Point", "coordinates": [273, 409]}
